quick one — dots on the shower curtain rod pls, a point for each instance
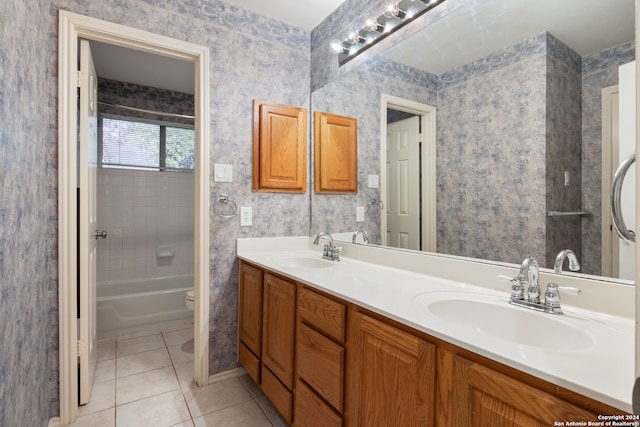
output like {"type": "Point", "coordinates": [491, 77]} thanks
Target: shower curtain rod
{"type": "Point", "coordinates": [160, 113]}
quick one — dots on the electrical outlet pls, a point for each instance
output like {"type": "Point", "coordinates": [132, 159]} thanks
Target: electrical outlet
{"type": "Point", "coordinates": [246, 216]}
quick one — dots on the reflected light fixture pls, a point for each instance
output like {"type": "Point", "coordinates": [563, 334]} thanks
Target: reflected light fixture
{"type": "Point", "coordinates": [395, 15]}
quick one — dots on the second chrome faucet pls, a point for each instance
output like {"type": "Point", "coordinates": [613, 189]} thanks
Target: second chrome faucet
{"type": "Point", "coordinates": [329, 251]}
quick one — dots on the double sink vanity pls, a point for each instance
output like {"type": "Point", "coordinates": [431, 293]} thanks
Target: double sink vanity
{"type": "Point", "coordinates": [384, 337]}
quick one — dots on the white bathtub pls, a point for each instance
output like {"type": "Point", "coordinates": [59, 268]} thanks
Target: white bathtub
{"type": "Point", "coordinates": [132, 306]}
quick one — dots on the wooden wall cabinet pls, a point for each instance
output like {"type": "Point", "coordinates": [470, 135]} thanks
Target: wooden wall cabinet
{"type": "Point", "coordinates": [336, 153]}
{"type": "Point", "coordinates": [279, 147]}
{"type": "Point", "coordinates": [391, 375]}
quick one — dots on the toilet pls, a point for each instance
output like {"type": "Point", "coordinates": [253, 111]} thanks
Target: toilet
{"type": "Point", "coordinates": [189, 300]}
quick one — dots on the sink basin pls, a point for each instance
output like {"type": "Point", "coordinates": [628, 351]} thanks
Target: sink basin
{"type": "Point", "coordinates": [298, 261]}
{"type": "Point", "coordinates": [494, 316]}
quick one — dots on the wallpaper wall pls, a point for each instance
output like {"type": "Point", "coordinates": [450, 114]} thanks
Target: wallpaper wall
{"type": "Point", "coordinates": [27, 298]}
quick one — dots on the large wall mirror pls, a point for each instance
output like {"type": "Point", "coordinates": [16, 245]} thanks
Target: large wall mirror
{"type": "Point", "coordinates": [520, 140]}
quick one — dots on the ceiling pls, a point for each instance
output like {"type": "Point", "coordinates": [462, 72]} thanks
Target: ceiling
{"type": "Point", "coordinates": [585, 29]}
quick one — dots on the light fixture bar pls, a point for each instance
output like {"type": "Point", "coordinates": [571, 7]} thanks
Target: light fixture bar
{"type": "Point", "coordinates": [396, 15]}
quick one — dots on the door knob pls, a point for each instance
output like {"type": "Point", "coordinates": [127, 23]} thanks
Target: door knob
{"type": "Point", "coordinates": [102, 234]}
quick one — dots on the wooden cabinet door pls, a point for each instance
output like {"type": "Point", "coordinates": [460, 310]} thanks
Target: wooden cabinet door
{"type": "Point", "coordinates": [470, 394]}
{"type": "Point", "coordinates": [336, 153]}
{"type": "Point", "coordinates": [250, 307]}
{"type": "Point", "coordinates": [279, 147]}
{"type": "Point", "coordinates": [390, 376]}
{"type": "Point", "coordinates": [278, 330]}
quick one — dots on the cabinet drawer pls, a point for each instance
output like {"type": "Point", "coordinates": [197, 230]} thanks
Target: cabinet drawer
{"type": "Point", "coordinates": [277, 393]}
{"type": "Point", "coordinates": [323, 313]}
{"type": "Point", "coordinates": [320, 362]}
{"type": "Point", "coordinates": [310, 411]}
{"type": "Point", "coordinates": [250, 362]}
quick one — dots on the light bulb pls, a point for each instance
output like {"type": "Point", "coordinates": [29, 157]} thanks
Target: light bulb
{"type": "Point", "coordinates": [394, 11]}
{"type": "Point", "coordinates": [372, 24]}
{"type": "Point", "coordinates": [337, 47]}
{"type": "Point", "coordinates": [354, 37]}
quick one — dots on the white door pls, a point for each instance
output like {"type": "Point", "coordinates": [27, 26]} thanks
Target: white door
{"type": "Point", "coordinates": [88, 163]}
{"type": "Point", "coordinates": [403, 184]}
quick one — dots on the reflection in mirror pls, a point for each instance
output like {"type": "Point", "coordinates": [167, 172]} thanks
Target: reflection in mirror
{"type": "Point", "coordinates": [518, 98]}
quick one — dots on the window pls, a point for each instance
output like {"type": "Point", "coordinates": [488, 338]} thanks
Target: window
{"type": "Point", "coordinates": [137, 144]}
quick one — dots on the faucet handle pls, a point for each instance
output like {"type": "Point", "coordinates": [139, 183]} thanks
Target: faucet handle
{"type": "Point", "coordinates": [517, 287]}
{"type": "Point", "coordinates": [552, 296]}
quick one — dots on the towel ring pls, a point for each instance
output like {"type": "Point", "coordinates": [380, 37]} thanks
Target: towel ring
{"type": "Point", "coordinates": [225, 200]}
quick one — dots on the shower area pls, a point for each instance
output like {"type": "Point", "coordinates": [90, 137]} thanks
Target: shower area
{"type": "Point", "coordinates": [145, 201]}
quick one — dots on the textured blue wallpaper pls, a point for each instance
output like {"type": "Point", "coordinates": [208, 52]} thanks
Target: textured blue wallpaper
{"type": "Point", "coordinates": [25, 299]}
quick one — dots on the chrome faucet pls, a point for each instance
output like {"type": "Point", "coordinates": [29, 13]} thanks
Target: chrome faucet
{"type": "Point", "coordinates": [528, 276]}
{"type": "Point", "coordinates": [574, 265]}
{"type": "Point", "coordinates": [329, 251]}
{"type": "Point", "coordinates": [365, 238]}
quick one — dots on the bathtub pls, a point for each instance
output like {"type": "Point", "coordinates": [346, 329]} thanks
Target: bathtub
{"type": "Point", "coordinates": [128, 307]}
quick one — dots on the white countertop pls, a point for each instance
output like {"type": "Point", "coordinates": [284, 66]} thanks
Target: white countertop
{"type": "Point", "coordinates": [598, 364]}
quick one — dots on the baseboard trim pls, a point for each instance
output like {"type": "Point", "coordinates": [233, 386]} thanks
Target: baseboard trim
{"type": "Point", "coordinates": [233, 373]}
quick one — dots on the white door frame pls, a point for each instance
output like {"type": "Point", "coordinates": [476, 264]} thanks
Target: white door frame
{"type": "Point", "coordinates": [610, 240]}
{"type": "Point", "coordinates": [428, 115]}
{"type": "Point", "coordinates": [72, 27]}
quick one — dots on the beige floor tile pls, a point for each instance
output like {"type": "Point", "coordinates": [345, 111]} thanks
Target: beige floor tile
{"type": "Point", "coordinates": [251, 386]}
{"type": "Point", "coordinates": [184, 371]}
{"type": "Point", "coordinates": [224, 394]}
{"type": "Point", "coordinates": [180, 336]}
{"type": "Point", "coordinates": [146, 384]}
{"type": "Point", "coordinates": [246, 414]}
{"type": "Point", "coordinates": [188, 423]}
{"type": "Point", "coordinates": [271, 412]}
{"type": "Point", "coordinates": [130, 346]}
{"type": "Point", "coordinates": [106, 349]}
{"type": "Point", "coordinates": [106, 418]}
{"type": "Point", "coordinates": [163, 410]}
{"type": "Point", "coordinates": [181, 353]}
{"type": "Point", "coordinates": [105, 371]}
{"type": "Point", "coordinates": [103, 396]}
{"type": "Point", "coordinates": [141, 362]}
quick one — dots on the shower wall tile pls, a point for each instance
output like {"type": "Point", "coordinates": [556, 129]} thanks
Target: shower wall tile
{"type": "Point", "coordinates": [28, 322]}
{"type": "Point", "coordinates": [141, 210]}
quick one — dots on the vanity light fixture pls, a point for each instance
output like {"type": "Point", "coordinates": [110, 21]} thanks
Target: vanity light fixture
{"type": "Point", "coordinates": [394, 16]}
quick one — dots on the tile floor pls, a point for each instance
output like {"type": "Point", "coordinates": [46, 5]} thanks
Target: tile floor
{"type": "Point", "coordinates": [147, 380]}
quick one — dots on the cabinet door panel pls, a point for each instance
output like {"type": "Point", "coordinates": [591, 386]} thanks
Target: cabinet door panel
{"type": "Point", "coordinates": [391, 375]}
{"type": "Point", "coordinates": [279, 327]}
{"type": "Point", "coordinates": [471, 394]}
{"type": "Point", "coordinates": [250, 310]}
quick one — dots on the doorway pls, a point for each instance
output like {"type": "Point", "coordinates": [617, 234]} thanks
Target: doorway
{"type": "Point", "coordinates": [424, 180]}
{"type": "Point", "coordinates": [72, 28]}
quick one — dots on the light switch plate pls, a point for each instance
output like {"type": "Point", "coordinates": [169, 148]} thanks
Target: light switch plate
{"type": "Point", "coordinates": [222, 172]}
{"type": "Point", "coordinates": [374, 181]}
{"type": "Point", "coordinates": [246, 216]}
{"type": "Point", "coordinates": [360, 214]}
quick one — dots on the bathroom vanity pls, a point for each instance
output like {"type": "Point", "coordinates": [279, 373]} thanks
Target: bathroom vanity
{"type": "Point", "coordinates": [359, 343]}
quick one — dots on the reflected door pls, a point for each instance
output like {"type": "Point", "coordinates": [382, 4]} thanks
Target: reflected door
{"type": "Point", "coordinates": [403, 184]}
